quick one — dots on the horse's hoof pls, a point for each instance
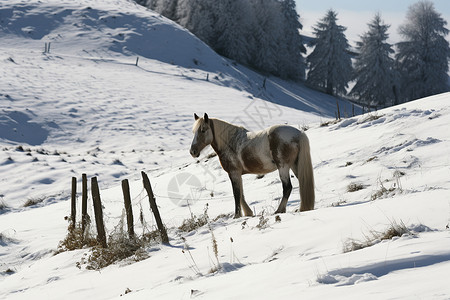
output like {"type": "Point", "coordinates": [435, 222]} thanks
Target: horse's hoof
{"type": "Point", "coordinates": [237, 216]}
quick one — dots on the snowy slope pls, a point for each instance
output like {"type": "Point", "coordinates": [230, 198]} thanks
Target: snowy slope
{"type": "Point", "coordinates": [86, 108]}
{"type": "Point", "coordinates": [73, 108]}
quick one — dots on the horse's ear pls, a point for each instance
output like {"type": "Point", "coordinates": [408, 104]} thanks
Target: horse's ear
{"type": "Point", "coordinates": [196, 117]}
{"type": "Point", "coordinates": [206, 118]}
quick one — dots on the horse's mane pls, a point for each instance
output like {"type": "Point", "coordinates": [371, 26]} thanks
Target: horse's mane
{"type": "Point", "coordinates": [220, 127]}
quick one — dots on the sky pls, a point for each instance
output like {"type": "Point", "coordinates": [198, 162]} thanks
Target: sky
{"type": "Point", "coordinates": [356, 14]}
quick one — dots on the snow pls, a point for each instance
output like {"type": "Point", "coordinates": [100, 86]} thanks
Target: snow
{"type": "Point", "coordinates": [86, 108]}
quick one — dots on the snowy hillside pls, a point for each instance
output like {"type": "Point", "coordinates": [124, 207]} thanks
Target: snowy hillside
{"type": "Point", "coordinates": [85, 107]}
{"type": "Point", "coordinates": [86, 97]}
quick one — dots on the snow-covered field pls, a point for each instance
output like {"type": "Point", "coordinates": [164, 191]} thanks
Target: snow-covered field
{"type": "Point", "coordinates": [85, 107]}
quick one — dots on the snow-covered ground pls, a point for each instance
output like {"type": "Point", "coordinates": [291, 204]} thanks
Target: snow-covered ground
{"type": "Point", "coordinates": [85, 107]}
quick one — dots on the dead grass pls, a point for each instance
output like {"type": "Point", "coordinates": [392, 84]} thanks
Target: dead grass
{"type": "Point", "coordinates": [195, 222]}
{"type": "Point", "coordinates": [372, 158]}
{"type": "Point", "coordinates": [354, 187]}
{"type": "Point", "coordinates": [328, 123]}
{"type": "Point", "coordinates": [263, 222]}
{"type": "Point", "coordinates": [120, 246]}
{"type": "Point", "coordinates": [374, 237]}
{"type": "Point", "coordinates": [371, 117]}
{"type": "Point", "coordinates": [382, 192]}
{"type": "Point", "coordinates": [75, 239]}
{"type": "Point", "coordinates": [33, 201]}
{"type": "Point", "coordinates": [395, 188]}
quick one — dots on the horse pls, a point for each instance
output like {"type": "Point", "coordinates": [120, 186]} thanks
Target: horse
{"type": "Point", "coordinates": [279, 147]}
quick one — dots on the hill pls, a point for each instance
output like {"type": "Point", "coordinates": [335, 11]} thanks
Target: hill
{"type": "Point", "coordinates": [85, 107]}
{"type": "Point", "coordinates": [86, 96]}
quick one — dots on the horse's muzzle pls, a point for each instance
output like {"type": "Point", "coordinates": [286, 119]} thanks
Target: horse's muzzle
{"type": "Point", "coordinates": [195, 153]}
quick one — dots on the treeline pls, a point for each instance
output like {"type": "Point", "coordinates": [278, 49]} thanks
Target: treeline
{"type": "Point", "coordinates": [265, 34]}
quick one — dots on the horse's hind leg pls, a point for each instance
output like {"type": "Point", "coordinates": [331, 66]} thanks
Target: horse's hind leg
{"type": "Point", "coordinates": [287, 188]}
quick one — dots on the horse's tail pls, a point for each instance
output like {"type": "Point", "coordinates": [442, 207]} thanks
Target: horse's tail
{"type": "Point", "coordinates": [305, 175]}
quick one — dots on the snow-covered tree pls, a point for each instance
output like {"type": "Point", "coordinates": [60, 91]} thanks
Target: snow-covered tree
{"type": "Point", "coordinates": [266, 31]}
{"type": "Point", "coordinates": [290, 56]}
{"type": "Point", "coordinates": [374, 66]}
{"type": "Point", "coordinates": [422, 58]}
{"type": "Point", "coordinates": [263, 34]}
{"type": "Point", "coordinates": [330, 65]}
{"type": "Point", "coordinates": [199, 17]}
{"type": "Point", "coordinates": [232, 28]}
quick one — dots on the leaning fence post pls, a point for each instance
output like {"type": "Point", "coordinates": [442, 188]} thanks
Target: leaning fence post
{"type": "Point", "coordinates": [73, 206]}
{"type": "Point", "coordinates": [84, 197]}
{"type": "Point", "coordinates": [128, 208]}
{"type": "Point", "coordinates": [154, 207]}
{"type": "Point", "coordinates": [98, 212]}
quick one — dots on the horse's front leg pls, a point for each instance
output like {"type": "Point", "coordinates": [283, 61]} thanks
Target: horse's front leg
{"type": "Point", "coordinates": [238, 192]}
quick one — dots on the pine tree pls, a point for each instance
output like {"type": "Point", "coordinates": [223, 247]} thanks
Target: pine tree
{"type": "Point", "coordinates": [290, 56]}
{"type": "Point", "coordinates": [266, 32]}
{"type": "Point", "coordinates": [330, 65]}
{"type": "Point", "coordinates": [374, 67]}
{"type": "Point", "coordinates": [263, 34]}
{"type": "Point", "coordinates": [233, 26]}
{"type": "Point", "coordinates": [422, 59]}
{"type": "Point", "coordinates": [199, 17]}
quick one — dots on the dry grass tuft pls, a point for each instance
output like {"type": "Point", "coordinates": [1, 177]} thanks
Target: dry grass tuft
{"type": "Point", "coordinates": [120, 246]}
{"type": "Point", "coordinates": [354, 187]}
{"type": "Point", "coordinates": [75, 239]}
{"type": "Point", "coordinates": [374, 237]}
{"type": "Point", "coordinates": [33, 201]}
{"type": "Point", "coordinates": [195, 222]}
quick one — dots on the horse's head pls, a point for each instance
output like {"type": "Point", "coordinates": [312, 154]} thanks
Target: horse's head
{"type": "Point", "coordinates": [203, 135]}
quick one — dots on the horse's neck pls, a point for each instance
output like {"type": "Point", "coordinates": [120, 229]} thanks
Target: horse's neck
{"type": "Point", "coordinates": [224, 133]}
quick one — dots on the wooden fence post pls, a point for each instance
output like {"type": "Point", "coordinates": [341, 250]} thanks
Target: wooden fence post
{"type": "Point", "coordinates": [338, 111]}
{"type": "Point", "coordinates": [154, 207]}
{"type": "Point", "coordinates": [98, 212]}
{"type": "Point", "coordinates": [84, 197]}
{"type": "Point", "coordinates": [128, 208]}
{"type": "Point", "coordinates": [73, 206]}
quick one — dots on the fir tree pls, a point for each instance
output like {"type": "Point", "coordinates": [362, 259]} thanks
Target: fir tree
{"type": "Point", "coordinates": [199, 17]}
{"type": "Point", "coordinates": [266, 33]}
{"type": "Point", "coordinates": [422, 58]}
{"type": "Point", "coordinates": [263, 34]}
{"type": "Point", "coordinates": [374, 67]}
{"type": "Point", "coordinates": [233, 28]}
{"type": "Point", "coordinates": [291, 60]}
{"type": "Point", "coordinates": [330, 65]}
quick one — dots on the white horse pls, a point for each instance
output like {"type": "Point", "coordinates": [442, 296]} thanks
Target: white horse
{"type": "Point", "coordinates": [242, 152]}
